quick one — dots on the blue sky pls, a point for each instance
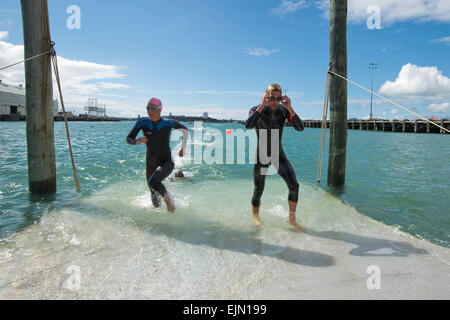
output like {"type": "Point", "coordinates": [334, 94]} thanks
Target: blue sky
{"type": "Point", "coordinates": [218, 56]}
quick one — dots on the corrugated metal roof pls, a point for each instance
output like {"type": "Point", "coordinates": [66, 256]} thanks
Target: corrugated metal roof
{"type": "Point", "coordinates": [9, 88]}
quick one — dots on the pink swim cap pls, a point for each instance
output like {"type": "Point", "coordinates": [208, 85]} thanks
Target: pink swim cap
{"type": "Point", "coordinates": [155, 102]}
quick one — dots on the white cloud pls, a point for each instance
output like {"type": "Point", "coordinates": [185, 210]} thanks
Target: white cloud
{"type": "Point", "coordinates": [288, 7]}
{"type": "Point", "coordinates": [445, 40]}
{"type": "Point", "coordinates": [80, 80]}
{"type": "Point", "coordinates": [3, 35]}
{"type": "Point", "coordinates": [260, 51]}
{"type": "Point", "coordinates": [418, 82]}
{"type": "Point", "coordinates": [394, 111]}
{"type": "Point", "coordinates": [442, 108]}
{"type": "Point", "coordinates": [396, 10]}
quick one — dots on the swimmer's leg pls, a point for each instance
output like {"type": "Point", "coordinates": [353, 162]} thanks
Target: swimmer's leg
{"type": "Point", "coordinates": [156, 198]}
{"type": "Point", "coordinates": [259, 181]}
{"type": "Point", "coordinates": [288, 174]}
{"type": "Point", "coordinates": [155, 182]}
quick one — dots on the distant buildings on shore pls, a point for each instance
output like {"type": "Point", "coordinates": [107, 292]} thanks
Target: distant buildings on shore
{"type": "Point", "coordinates": [13, 107]}
{"type": "Point", "coordinates": [13, 102]}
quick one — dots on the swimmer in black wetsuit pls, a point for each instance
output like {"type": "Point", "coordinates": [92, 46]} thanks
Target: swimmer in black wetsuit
{"type": "Point", "coordinates": [269, 118]}
{"type": "Point", "coordinates": [159, 161]}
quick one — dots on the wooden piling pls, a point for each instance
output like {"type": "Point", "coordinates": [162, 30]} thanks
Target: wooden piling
{"type": "Point", "coordinates": [39, 98]}
{"type": "Point", "coordinates": [338, 93]}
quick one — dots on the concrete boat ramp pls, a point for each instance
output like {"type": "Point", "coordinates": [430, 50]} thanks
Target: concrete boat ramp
{"type": "Point", "coordinates": [122, 252]}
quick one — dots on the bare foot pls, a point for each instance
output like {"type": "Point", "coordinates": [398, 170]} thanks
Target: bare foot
{"type": "Point", "coordinates": [256, 220]}
{"type": "Point", "coordinates": [293, 222]}
{"type": "Point", "coordinates": [169, 203]}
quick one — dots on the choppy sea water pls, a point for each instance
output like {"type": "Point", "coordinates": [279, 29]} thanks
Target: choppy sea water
{"type": "Point", "coordinates": [401, 180]}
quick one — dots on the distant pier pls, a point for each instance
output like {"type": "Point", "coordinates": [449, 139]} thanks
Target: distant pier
{"type": "Point", "coordinates": [415, 126]}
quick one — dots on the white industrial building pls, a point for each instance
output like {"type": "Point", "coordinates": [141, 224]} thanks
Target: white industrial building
{"type": "Point", "coordinates": [13, 101]}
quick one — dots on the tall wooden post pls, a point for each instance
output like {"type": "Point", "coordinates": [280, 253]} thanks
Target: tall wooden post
{"type": "Point", "coordinates": [39, 98]}
{"type": "Point", "coordinates": [338, 93]}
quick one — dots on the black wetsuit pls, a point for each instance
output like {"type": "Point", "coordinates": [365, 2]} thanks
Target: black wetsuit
{"type": "Point", "coordinates": [159, 161]}
{"type": "Point", "coordinates": [269, 120]}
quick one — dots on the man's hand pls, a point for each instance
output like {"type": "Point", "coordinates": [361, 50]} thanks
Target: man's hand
{"type": "Point", "coordinates": [286, 102]}
{"type": "Point", "coordinates": [141, 140]}
{"type": "Point", "coordinates": [181, 152]}
{"type": "Point", "coordinates": [264, 102]}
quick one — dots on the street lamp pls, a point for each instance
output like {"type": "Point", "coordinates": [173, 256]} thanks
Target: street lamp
{"type": "Point", "coordinates": [372, 66]}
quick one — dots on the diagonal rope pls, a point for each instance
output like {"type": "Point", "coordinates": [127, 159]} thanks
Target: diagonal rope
{"type": "Point", "coordinates": [324, 125]}
{"type": "Point", "coordinates": [24, 60]}
{"type": "Point", "coordinates": [55, 68]}
{"type": "Point", "coordinates": [389, 100]}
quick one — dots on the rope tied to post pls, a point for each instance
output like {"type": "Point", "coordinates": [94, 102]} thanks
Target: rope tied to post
{"type": "Point", "coordinates": [24, 60]}
{"type": "Point", "coordinates": [54, 60]}
{"type": "Point", "coordinates": [325, 114]}
{"type": "Point", "coordinates": [324, 125]}
{"type": "Point", "coordinates": [388, 100]}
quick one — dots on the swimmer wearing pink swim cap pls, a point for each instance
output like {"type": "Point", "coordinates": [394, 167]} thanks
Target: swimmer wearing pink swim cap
{"type": "Point", "coordinates": [159, 163]}
{"type": "Point", "coordinates": [154, 102]}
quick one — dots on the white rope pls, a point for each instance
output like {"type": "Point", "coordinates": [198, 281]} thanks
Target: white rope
{"type": "Point", "coordinates": [389, 100]}
{"type": "Point", "coordinates": [34, 57]}
{"type": "Point", "coordinates": [324, 125]}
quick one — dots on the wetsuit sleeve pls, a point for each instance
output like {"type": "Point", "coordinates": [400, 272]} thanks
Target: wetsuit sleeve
{"type": "Point", "coordinates": [253, 116]}
{"type": "Point", "coordinates": [131, 138]}
{"type": "Point", "coordinates": [295, 121]}
{"type": "Point", "coordinates": [185, 132]}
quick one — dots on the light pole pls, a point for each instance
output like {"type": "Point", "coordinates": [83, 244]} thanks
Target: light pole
{"type": "Point", "coordinates": [372, 66]}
